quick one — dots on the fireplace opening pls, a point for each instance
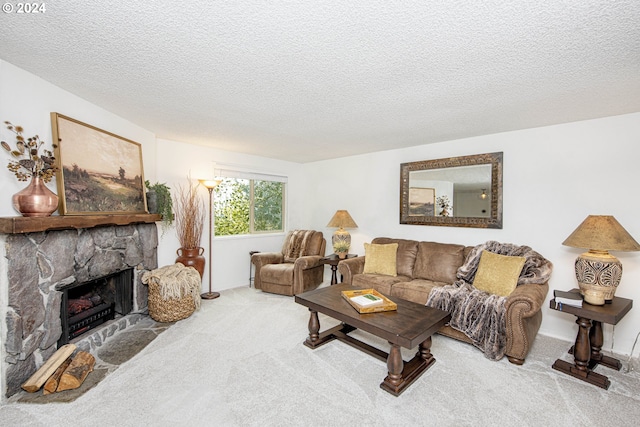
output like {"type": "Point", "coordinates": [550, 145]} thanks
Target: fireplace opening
{"type": "Point", "coordinates": [86, 305]}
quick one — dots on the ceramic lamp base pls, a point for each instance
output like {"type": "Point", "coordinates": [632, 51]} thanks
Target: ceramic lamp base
{"type": "Point", "coordinates": [341, 241]}
{"type": "Point", "coordinates": [598, 274]}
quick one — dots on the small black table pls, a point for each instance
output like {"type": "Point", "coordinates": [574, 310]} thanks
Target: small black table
{"type": "Point", "coordinates": [333, 261]}
{"type": "Point", "coordinates": [586, 350]}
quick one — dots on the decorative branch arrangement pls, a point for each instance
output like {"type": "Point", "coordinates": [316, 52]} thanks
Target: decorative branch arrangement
{"type": "Point", "coordinates": [190, 213]}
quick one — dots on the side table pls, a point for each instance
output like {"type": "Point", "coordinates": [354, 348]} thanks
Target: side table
{"type": "Point", "coordinates": [333, 261]}
{"type": "Point", "coordinates": [586, 350]}
{"type": "Point", "coordinates": [251, 266]}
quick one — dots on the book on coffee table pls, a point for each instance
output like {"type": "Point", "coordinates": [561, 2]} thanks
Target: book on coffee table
{"type": "Point", "coordinates": [369, 301]}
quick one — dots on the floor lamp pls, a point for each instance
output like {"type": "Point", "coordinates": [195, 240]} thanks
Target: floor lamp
{"type": "Point", "coordinates": [210, 184]}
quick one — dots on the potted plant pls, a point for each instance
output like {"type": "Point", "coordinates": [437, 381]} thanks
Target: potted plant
{"type": "Point", "coordinates": [341, 248]}
{"type": "Point", "coordinates": [29, 164]}
{"type": "Point", "coordinates": [189, 217]}
{"type": "Point", "coordinates": [159, 201]}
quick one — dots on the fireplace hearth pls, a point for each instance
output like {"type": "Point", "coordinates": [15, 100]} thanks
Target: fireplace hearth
{"type": "Point", "coordinates": [40, 269]}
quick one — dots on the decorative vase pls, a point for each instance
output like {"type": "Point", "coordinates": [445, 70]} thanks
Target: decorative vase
{"type": "Point", "coordinates": [342, 255]}
{"type": "Point", "coordinates": [192, 258]}
{"type": "Point", "coordinates": [36, 199]}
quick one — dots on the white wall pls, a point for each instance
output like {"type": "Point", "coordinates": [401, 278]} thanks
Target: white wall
{"type": "Point", "coordinates": [230, 266]}
{"type": "Point", "coordinates": [553, 178]}
{"type": "Point", "coordinates": [28, 100]}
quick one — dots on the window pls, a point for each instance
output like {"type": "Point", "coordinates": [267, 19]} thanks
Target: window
{"type": "Point", "coordinates": [248, 203]}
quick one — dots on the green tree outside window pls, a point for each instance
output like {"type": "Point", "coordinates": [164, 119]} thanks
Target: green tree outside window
{"type": "Point", "coordinates": [245, 206]}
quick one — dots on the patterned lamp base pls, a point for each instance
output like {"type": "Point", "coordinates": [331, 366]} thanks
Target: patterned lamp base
{"type": "Point", "coordinates": [598, 274]}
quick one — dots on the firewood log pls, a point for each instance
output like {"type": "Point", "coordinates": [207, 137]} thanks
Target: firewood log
{"type": "Point", "coordinates": [52, 383]}
{"type": "Point", "coordinates": [79, 305]}
{"type": "Point", "coordinates": [77, 371]}
{"type": "Point", "coordinates": [36, 380]}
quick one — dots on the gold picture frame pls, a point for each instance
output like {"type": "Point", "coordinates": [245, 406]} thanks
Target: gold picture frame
{"type": "Point", "coordinates": [99, 172]}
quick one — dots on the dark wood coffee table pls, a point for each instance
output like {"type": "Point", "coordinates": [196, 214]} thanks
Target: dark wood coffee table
{"type": "Point", "coordinates": [410, 326]}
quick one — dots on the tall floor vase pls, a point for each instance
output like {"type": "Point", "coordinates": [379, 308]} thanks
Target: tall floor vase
{"type": "Point", "coordinates": [35, 199]}
{"type": "Point", "coordinates": [192, 258]}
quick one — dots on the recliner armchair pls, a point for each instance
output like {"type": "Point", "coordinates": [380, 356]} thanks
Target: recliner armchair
{"type": "Point", "coordinates": [296, 269]}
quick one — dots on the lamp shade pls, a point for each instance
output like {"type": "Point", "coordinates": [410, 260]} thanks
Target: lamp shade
{"type": "Point", "coordinates": [342, 219]}
{"type": "Point", "coordinates": [210, 183]}
{"type": "Point", "coordinates": [602, 232]}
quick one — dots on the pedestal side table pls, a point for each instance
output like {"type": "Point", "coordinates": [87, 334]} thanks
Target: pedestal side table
{"type": "Point", "coordinates": [333, 261]}
{"type": "Point", "coordinates": [586, 350]}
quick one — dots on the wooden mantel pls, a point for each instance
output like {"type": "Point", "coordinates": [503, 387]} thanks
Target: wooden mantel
{"type": "Point", "coordinates": [20, 224]}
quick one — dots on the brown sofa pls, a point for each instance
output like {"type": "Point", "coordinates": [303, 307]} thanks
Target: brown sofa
{"type": "Point", "coordinates": [421, 266]}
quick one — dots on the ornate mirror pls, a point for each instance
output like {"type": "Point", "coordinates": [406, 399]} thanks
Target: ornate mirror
{"type": "Point", "coordinates": [457, 191]}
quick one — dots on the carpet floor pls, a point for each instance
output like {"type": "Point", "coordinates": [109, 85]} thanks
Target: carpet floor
{"type": "Point", "coordinates": [239, 361]}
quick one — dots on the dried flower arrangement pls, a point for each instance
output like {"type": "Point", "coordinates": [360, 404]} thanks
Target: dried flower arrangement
{"type": "Point", "coordinates": [190, 214]}
{"type": "Point", "coordinates": [445, 204]}
{"type": "Point", "coordinates": [29, 161]}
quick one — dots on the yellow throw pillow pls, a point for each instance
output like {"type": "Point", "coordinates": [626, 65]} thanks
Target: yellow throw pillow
{"type": "Point", "coordinates": [380, 259]}
{"type": "Point", "coordinates": [498, 274]}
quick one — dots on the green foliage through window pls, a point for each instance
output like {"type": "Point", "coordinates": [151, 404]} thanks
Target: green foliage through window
{"type": "Point", "coordinates": [247, 206]}
{"type": "Point", "coordinates": [267, 205]}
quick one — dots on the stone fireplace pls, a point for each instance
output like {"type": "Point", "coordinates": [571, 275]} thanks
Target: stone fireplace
{"type": "Point", "coordinates": [40, 269]}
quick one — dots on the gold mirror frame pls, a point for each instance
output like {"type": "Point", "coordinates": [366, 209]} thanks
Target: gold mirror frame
{"type": "Point", "coordinates": [494, 220]}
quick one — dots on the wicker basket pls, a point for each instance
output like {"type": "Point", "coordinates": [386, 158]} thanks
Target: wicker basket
{"type": "Point", "coordinates": [174, 292]}
{"type": "Point", "coordinates": [169, 310]}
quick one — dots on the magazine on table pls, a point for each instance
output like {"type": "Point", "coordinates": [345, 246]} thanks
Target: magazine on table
{"type": "Point", "coordinates": [367, 300]}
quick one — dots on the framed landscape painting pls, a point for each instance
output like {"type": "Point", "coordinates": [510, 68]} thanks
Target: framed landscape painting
{"type": "Point", "coordinates": [421, 201]}
{"type": "Point", "coordinates": [99, 172]}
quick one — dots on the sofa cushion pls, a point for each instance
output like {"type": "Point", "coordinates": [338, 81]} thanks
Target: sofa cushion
{"type": "Point", "coordinates": [379, 282]}
{"type": "Point", "coordinates": [380, 259]}
{"type": "Point", "coordinates": [406, 255]}
{"type": "Point", "coordinates": [438, 262]}
{"type": "Point", "coordinates": [498, 274]}
{"type": "Point", "coordinates": [416, 290]}
{"type": "Point", "coordinates": [281, 274]}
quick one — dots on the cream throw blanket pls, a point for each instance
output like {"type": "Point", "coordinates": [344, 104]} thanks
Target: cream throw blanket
{"type": "Point", "coordinates": [176, 281]}
{"type": "Point", "coordinates": [479, 315]}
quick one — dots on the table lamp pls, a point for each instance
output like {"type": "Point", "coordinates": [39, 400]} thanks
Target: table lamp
{"type": "Point", "coordinates": [597, 271]}
{"type": "Point", "coordinates": [341, 239]}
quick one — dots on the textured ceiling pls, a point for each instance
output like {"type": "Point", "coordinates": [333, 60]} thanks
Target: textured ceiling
{"type": "Point", "coordinates": [312, 80]}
